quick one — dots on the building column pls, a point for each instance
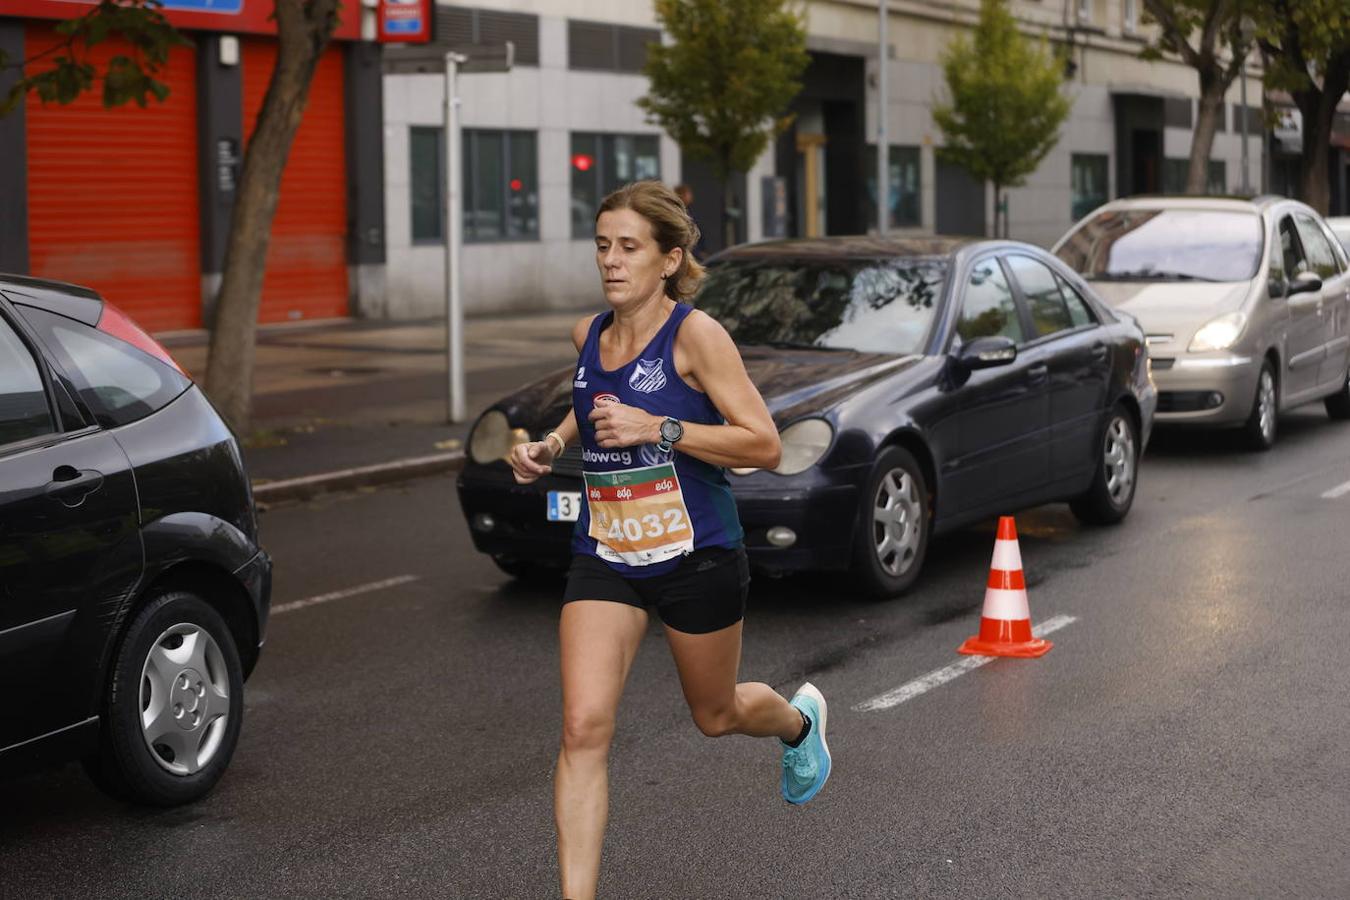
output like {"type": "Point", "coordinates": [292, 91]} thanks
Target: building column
{"type": "Point", "coordinates": [364, 85]}
{"type": "Point", "coordinates": [220, 150]}
{"type": "Point", "coordinates": [13, 149]}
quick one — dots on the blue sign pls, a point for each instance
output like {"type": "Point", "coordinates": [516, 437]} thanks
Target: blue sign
{"type": "Point", "coordinates": [231, 7]}
{"type": "Point", "coordinates": [406, 26]}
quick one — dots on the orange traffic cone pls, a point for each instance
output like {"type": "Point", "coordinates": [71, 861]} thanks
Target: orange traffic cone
{"type": "Point", "coordinates": [1005, 623]}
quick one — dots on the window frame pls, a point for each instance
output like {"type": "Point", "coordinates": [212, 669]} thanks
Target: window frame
{"type": "Point", "coordinates": [954, 339]}
{"type": "Point", "coordinates": [469, 162]}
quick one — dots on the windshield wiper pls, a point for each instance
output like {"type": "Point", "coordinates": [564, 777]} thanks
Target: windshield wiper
{"type": "Point", "coordinates": [1148, 275]}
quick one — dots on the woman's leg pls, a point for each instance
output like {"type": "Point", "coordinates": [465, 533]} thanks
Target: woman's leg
{"type": "Point", "coordinates": [708, 664]}
{"type": "Point", "coordinates": [599, 640]}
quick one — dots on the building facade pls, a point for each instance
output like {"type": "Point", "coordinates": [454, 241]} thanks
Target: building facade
{"type": "Point", "coordinates": [136, 202]}
{"type": "Point", "coordinates": [546, 140]}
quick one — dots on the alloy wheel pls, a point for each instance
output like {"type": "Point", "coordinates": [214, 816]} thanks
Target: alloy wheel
{"type": "Point", "coordinates": [1119, 457]}
{"type": "Point", "coordinates": [896, 522]}
{"type": "Point", "coordinates": [1265, 400]}
{"type": "Point", "coordinates": [185, 699]}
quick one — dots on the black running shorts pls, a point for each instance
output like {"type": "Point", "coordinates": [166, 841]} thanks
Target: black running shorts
{"type": "Point", "coordinates": [705, 592]}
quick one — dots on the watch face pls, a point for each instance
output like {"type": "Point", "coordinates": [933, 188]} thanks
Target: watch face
{"type": "Point", "coordinates": [671, 430]}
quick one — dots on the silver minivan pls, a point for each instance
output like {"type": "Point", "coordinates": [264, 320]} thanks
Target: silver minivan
{"type": "Point", "coordinates": [1246, 304]}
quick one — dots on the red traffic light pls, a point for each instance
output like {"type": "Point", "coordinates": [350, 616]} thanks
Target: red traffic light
{"type": "Point", "coordinates": [583, 161]}
{"type": "Point", "coordinates": [516, 184]}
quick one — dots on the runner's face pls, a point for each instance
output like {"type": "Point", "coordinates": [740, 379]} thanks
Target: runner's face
{"type": "Point", "coordinates": [630, 261]}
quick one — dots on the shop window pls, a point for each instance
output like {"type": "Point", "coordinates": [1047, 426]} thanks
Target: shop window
{"type": "Point", "coordinates": [602, 163]}
{"type": "Point", "coordinates": [1088, 180]}
{"type": "Point", "coordinates": [902, 183]}
{"type": "Point", "coordinates": [501, 185]}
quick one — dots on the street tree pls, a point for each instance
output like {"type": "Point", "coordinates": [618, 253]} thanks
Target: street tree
{"type": "Point", "coordinates": [304, 30]}
{"type": "Point", "coordinates": [722, 86]}
{"type": "Point", "coordinates": [1305, 45]}
{"type": "Point", "coordinates": [1006, 102]}
{"type": "Point", "coordinates": [1208, 36]}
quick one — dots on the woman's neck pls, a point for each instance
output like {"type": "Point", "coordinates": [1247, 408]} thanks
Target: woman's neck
{"type": "Point", "coordinates": [642, 321]}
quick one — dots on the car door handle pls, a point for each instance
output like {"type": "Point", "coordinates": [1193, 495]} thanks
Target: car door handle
{"type": "Point", "coordinates": [71, 485]}
{"type": "Point", "coordinates": [1100, 351]}
{"type": "Point", "coordinates": [1038, 373]}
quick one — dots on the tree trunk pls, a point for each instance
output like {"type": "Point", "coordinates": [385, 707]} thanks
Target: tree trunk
{"type": "Point", "coordinates": [1208, 114]}
{"type": "Point", "coordinates": [303, 33]}
{"type": "Point", "coordinates": [728, 203]}
{"type": "Point", "coordinates": [1319, 110]}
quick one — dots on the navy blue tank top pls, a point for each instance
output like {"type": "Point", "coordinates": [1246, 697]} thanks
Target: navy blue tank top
{"type": "Point", "coordinates": [643, 510]}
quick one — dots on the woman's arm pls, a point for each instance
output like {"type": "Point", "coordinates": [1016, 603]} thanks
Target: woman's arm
{"type": "Point", "coordinates": [749, 438]}
{"type": "Point", "coordinates": [535, 458]}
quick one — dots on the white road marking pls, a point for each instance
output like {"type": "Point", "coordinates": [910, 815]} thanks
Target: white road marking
{"type": "Point", "coordinates": [340, 595]}
{"type": "Point", "coordinates": [1338, 491]}
{"type": "Point", "coordinates": [911, 689]}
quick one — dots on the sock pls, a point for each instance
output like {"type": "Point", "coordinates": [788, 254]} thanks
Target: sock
{"type": "Point", "coordinates": [806, 729]}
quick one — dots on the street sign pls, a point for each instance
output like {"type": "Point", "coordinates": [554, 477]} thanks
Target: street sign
{"type": "Point", "coordinates": [405, 21]}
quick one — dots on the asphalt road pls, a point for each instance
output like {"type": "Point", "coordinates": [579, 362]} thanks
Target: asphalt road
{"type": "Point", "coordinates": [1185, 737]}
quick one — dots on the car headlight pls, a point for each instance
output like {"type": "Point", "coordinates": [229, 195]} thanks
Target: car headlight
{"type": "Point", "coordinates": [493, 437]}
{"type": "Point", "coordinates": [804, 443]}
{"type": "Point", "coordinates": [1218, 334]}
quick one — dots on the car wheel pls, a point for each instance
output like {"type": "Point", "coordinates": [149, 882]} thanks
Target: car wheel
{"type": "Point", "coordinates": [532, 573]}
{"type": "Point", "coordinates": [1259, 430]}
{"type": "Point", "coordinates": [894, 524]}
{"type": "Point", "coordinates": [173, 704]}
{"type": "Point", "coordinates": [1111, 495]}
{"type": "Point", "coordinates": [1338, 404]}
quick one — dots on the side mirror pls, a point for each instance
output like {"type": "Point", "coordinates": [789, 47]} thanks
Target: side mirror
{"type": "Point", "coordinates": [1305, 283]}
{"type": "Point", "coordinates": [987, 352]}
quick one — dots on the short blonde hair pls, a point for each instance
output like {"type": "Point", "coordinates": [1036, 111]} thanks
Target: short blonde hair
{"type": "Point", "coordinates": [671, 226]}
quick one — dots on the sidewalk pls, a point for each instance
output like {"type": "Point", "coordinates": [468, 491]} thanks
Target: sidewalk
{"type": "Point", "coordinates": [371, 396]}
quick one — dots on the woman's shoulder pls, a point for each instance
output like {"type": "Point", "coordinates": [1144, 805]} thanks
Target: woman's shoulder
{"type": "Point", "coordinates": [702, 330]}
{"type": "Point", "coordinates": [583, 328]}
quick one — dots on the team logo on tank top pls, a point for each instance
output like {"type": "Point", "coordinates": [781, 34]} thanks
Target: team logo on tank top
{"type": "Point", "coordinates": [648, 376]}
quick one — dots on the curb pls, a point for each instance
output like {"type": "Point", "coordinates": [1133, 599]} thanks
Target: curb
{"type": "Point", "coordinates": [365, 476]}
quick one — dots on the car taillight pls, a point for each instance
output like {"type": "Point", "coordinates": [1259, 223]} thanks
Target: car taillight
{"type": "Point", "coordinates": [118, 324]}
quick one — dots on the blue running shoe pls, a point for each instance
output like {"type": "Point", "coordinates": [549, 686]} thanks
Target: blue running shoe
{"type": "Point", "coordinates": [806, 767]}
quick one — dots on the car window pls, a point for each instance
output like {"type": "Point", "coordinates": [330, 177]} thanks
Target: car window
{"type": "Point", "coordinates": [1321, 258]}
{"type": "Point", "coordinates": [1291, 249]}
{"type": "Point", "coordinates": [1337, 244]}
{"type": "Point", "coordinates": [1049, 312]}
{"type": "Point", "coordinates": [24, 410]}
{"type": "Point", "coordinates": [988, 309]}
{"type": "Point", "coordinates": [118, 382]}
{"type": "Point", "coordinates": [1079, 310]}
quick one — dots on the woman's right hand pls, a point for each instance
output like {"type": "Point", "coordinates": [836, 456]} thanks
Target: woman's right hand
{"type": "Point", "coordinates": [531, 460]}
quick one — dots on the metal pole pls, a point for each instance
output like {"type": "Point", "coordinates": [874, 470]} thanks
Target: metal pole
{"type": "Point", "coordinates": [1246, 179]}
{"type": "Point", "coordinates": [883, 149]}
{"type": "Point", "coordinates": [454, 219]}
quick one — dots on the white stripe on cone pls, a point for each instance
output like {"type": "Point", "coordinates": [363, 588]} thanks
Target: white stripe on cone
{"type": "Point", "coordinates": [1009, 606]}
{"type": "Point", "coordinates": [1007, 557]}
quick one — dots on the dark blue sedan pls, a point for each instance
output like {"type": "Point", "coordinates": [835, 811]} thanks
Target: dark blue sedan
{"type": "Point", "coordinates": [918, 385]}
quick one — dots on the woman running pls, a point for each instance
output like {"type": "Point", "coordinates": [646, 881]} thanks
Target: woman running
{"type": "Point", "coordinates": [662, 405]}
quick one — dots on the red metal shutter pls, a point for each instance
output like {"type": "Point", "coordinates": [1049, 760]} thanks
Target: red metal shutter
{"type": "Point", "coordinates": [112, 193]}
{"type": "Point", "coordinates": [307, 258]}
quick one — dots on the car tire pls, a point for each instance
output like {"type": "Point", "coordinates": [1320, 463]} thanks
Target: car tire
{"type": "Point", "coordinates": [528, 572]}
{"type": "Point", "coordinates": [1116, 478]}
{"type": "Point", "coordinates": [1338, 404]}
{"type": "Point", "coordinates": [1258, 432]}
{"type": "Point", "coordinates": [894, 524]}
{"type": "Point", "coordinates": [177, 656]}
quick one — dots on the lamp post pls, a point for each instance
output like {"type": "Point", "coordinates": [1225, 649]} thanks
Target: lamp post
{"type": "Point", "coordinates": [883, 151]}
{"type": "Point", "coordinates": [454, 217]}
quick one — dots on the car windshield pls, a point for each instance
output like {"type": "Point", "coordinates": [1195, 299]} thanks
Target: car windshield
{"type": "Point", "coordinates": [1341, 228]}
{"type": "Point", "coordinates": [1166, 245]}
{"type": "Point", "coordinates": [872, 306]}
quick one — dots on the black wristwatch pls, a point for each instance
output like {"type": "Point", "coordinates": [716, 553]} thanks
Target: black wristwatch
{"type": "Point", "coordinates": [671, 431]}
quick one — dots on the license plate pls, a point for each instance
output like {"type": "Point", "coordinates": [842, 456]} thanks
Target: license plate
{"type": "Point", "coordinates": [564, 506]}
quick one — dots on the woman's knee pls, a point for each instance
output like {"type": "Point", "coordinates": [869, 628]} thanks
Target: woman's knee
{"type": "Point", "coordinates": [715, 721]}
{"type": "Point", "coordinates": [587, 730]}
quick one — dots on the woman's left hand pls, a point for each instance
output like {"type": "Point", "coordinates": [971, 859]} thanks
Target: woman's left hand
{"type": "Point", "coordinates": [617, 425]}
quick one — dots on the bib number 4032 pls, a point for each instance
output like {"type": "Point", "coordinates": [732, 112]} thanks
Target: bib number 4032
{"type": "Point", "coordinates": [652, 525]}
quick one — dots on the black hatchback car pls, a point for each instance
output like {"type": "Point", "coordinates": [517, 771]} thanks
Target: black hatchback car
{"type": "Point", "coordinates": [133, 592]}
{"type": "Point", "coordinates": [917, 385]}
